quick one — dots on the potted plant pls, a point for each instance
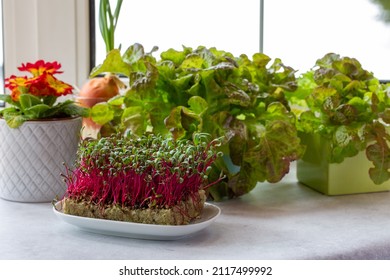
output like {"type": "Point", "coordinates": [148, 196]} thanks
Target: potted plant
{"type": "Point", "coordinates": [343, 119]}
{"type": "Point", "coordinates": [37, 133]}
{"type": "Point", "coordinates": [149, 179]}
{"type": "Point", "coordinates": [211, 91]}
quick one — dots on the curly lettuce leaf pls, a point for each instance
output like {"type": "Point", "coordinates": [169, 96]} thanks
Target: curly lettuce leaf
{"type": "Point", "coordinates": [379, 153]}
{"type": "Point", "coordinates": [348, 106]}
{"type": "Point", "coordinates": [270, 157]}
{"type": "Point", "coordinates": [112, 64]}
{"type": "Point", "coordinates": [208, 90]}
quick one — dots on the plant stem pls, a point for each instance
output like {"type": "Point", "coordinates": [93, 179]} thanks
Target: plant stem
{"type": "Point", "coordinates": [108, 22]}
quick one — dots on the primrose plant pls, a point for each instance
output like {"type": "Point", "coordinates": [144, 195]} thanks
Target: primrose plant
{"type": "Point", "coordinates": [34, 97]}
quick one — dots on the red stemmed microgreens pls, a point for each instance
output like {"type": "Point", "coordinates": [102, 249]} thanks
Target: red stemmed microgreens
{"type": "Point", "coordinates": [150, 171]}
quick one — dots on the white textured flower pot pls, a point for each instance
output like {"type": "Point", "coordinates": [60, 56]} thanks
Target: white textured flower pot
{"type": "Point", "coordinates": [349, 177]}
{"type": "Point", "coordinates": [32, 157]}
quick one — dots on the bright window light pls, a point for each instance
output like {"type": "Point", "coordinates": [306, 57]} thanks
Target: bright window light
{"type": "Point", "coordinates": [229, 25]}
{"type": "Point", "coordinates": [301, 31]}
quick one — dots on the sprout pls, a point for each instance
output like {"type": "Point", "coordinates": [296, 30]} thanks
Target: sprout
{"type": "Point", "coordinates": [147, 171]}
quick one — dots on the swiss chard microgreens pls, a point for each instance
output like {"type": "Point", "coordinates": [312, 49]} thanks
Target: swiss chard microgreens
{"type": "Point", "coordinates": [141, 172]}
{"type": "Point", "coordinates": [208, 90]}
{"type": "Point", "coordinates": [348, 106]}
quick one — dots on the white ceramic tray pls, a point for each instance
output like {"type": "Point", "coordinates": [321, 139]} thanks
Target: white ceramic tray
{"type": "Point", "coordinates": [141, 231]}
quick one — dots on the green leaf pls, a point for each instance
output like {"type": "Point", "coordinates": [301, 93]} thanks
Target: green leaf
{"type": "Point", "coordinates": [359, 104]}
{"type": "Point", "coordinates": [197, 104]}
{"type": "Point", "coordinates": [276, 145]}
{"type": "Point", "coordinates": [37, 111]}
{"type": "Point", "coordinates": [238, 140]}
{"type": "Point", "coordinates": [135, 119]}
{"type": "Point", "coordinates": [133, 54]}
{"type": "Point", "coordinates": [261, 60]}
{"type": "Point", "coordinates": [327, 60]}
{"type": "Point", "coordinates": [182, 122]}
{"type": "Point", "coordinates": [346, 142]}
{"type": "Point", "coordinates": [117, 100]}
{"type": "Point", "coordinates": [182, 82]}
{"type": "Point", "coordinates": [306, 84]}
{"type": "Point", "coordinates": [277, 111]}
{"type": "Point", "coordinates": [386, 115]}
{"type": "Point", "coordinates": [144, 82]}
{"type": "Point", "coordinates": [236, 96]}
{"type": "Point", "coordinates": [13, 117]}
{"type": "Point", "coordinates": [7, 99]}
{"type": "Point", "coordinates": [380, 156]}
{"type": "Point", "coordinates": [112, 64]}
{"type": "Point", "coordinates": [309, 123]}
{"type": "Point", "coordinates": [378, 152]}
{"type": "Point", "coordinates": [27, 101]}
{"type": "Point", "coordinates": [72, 109]}
{"type": "Point", "coordinates": [176, 57]}
{"type": "Point", "coordinates": [243, 181]}
{"type": "Point", "coordinates": [64, 109]}
{"type": "Point", "coordinates": [49, 100]}
{"type": "Point", "coordinates": [101, 113]}
{"type": "Point", "coordinates": [319, 96]}
{"type": "Point", "coordinates": [192, 61]}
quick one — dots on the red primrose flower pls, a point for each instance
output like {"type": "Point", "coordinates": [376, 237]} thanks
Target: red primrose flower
{"type": "Point", "coordinates": [43, 83]}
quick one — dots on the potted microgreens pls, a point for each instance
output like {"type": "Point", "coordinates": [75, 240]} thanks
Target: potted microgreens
{"type": "Point", "coordinates": [343, 118]}
{"type": "Point", "coordinates": [37, 133]}
{"type": "Point", "coordinates": [147, 179]}
{"type": "Point", "coordinates": [211, 91]}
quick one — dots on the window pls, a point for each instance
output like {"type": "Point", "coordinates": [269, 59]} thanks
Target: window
{"type": "Point", "coordinates": [301, 31]}
{"type": "Point", "coordinates": [53, 30]}
{"type": "Point", "coordinates": [230, 25]}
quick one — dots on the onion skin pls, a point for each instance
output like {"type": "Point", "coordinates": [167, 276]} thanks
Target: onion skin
{"type": "Point", "coordinates": [98, 90]}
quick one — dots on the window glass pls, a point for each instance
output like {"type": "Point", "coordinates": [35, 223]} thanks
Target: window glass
{"type": "Point", "coordinates": [229, 25]}
{"type": "Point", "coordinates": [301, 31]}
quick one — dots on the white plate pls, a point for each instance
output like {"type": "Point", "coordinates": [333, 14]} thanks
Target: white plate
{"type": "Point", "coordinates": [141, 231]}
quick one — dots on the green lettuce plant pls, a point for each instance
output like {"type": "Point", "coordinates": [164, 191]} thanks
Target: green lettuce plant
{"type": "Point", "coordinates": [211, 91]}
{"type": "Point", "coordinates": [349, 107]}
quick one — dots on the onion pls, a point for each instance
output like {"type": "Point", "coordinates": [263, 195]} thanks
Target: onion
{"type": "Point", "coordinates": [94, 91]}
{"type": "Point", "coordinates": [99, 89]}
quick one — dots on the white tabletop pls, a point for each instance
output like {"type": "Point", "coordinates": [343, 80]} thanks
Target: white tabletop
{"type": "Point", "coordinates": [275, 221]}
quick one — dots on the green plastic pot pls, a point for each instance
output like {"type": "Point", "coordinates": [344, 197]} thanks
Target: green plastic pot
{"type": "Point", "coordinates": [349, 177]}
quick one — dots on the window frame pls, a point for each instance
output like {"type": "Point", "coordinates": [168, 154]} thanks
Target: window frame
{"type": "Point", "coordinates": [2, 77]}
{"type": "Point", "coordinates": [92, 34]}
{"type": "Point", "coordinates": [26, 36]}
